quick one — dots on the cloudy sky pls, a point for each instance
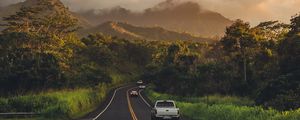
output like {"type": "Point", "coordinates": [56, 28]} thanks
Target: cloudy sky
{"type": "Point", "coordinates": [253, 11]}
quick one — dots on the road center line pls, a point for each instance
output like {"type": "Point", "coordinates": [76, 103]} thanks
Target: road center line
{"type": "Point", "coordinates": [130, 106]}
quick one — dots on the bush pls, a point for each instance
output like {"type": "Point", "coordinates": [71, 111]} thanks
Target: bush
{"type": "Point", "coordinates": [201, 111]}
{"type": "Point", "coordinates": [211, 99]}
{"type": "Point", "coordinates": [282, 93]}
{"type": "Point", "coordinates": [30, 103]}
{"type": "Point", "coordinates": [220, 99]}
{"type": "Point", "coordinates": [63, 104]}
{"type": "Point", "coordinates": [224, 108]}
{"type": "Point", "coordinates": [4, 105]}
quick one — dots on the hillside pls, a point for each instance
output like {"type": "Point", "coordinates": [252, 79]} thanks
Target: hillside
{"type": "Point", "coordinates": [11, 9]}
{"type": "Point", "coordinates": [183, 17]}
{"type": "Point", "coordinates": [172, 15]}
{"type": "Point", "coordinates": [128, 31]}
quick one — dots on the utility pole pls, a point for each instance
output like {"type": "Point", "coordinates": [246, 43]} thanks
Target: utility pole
{"type": "Point", "coordinates": [245, 67]}
{"type": "Point", "coordinates": [244, 59]}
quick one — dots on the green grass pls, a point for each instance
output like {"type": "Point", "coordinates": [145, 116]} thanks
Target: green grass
{"type": "Point", "coordinates": [64, 104]}
{"type": "Point", "coordinates": [211, 99]}
{"type": "Point", "coordinates": [224, 108]}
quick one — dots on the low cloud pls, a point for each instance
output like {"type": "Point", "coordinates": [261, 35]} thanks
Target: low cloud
{"type": "Point", "coordinates": [253, 11]}
{"type": "Point", "coordinates": [8, 2]}
{"type": "Point", "coordinates": [137, 5]}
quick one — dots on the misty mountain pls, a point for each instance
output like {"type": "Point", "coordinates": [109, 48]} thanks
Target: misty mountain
{"type": "Point", "coordinates": [127, 31]}
{"type": "Point", "coordinates": [170, 14]}
{"type": "Point", "coordinates": [169, 20]}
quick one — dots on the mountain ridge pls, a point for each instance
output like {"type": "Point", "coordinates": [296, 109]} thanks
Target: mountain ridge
{"type": "Point", "coordinates": [13, 8]}
{"type": "Point", "coordinates": [183, 17]}
{"type": "Point", "coordinates": [128, 31]}
{"type": "Point", "coordinates": [161, 21]}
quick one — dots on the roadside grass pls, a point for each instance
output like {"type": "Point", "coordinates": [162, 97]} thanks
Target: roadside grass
{"type": "Point", "coordinates": [63, 104]}
{"type": "Point", "coordinates": [68, 103]}
{"type": "Point", "coordinates": [223, 108]}
{"type": "Point", "coordinates": [211, 99]}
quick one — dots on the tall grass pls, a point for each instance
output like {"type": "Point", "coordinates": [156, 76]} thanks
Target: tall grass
{"type": "Point", "coordinates": [66, 104]}
{"type": "Point", "coordinates": [211, 99]}
{"type": "Point", "coordinates": [224, 108]}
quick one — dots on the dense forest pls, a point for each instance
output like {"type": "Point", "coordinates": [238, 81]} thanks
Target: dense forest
{"type": "Point", "coordinates": [41, 51]}
{"type": "Point", "coordinates": [260, 62]}
{"type": "Point", "coordinates": [45, 67]}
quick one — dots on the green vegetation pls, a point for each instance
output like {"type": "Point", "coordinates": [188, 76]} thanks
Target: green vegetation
{"type": "Point", "coordinates": [210, 100]}
{"type": "Point", "coordinates": [131, 32]}
{"type": "Point", "coordinates": [223, 108]}
{"type": "Point", "coordinates": [46, 68]}
{"type": "Point", "coordinates": [63, 104]}
{"type": "Point", "coordinates": [253, 62]}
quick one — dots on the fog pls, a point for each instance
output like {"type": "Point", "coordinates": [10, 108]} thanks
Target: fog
{"type": "Point", "coordinates": [8, 2]}
{"type": "Point", "coordinates": [253, 11]}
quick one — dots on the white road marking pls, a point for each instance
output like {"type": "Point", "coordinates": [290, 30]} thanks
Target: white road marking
{"type": "Point", "coordinates": [144, 99]}
{"type": "Point", "coordinates": [108, 103]}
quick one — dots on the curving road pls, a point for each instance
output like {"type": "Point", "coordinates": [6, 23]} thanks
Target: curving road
{"type": "Point", "coordinates": [121, 106]}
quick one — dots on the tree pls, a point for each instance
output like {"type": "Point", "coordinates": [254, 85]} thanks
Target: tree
{"type": "Point", "coordinates": [238, 37]}
{"type": "Point", "coordinates": [295, 25]}
{"type": "Point", "coordinates": [43, 36]}
{"type": "Point", "coordinates": [23, 21]}
{"type": "Point", "coordinates": [289, 48]}
{"type": "Point", "coordinates": [240, 43]}
{"type": "Point", "coordinates": [283, 93]}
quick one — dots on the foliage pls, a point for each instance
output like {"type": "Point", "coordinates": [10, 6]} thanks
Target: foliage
{"type": "Point", "coordinates": [221, 110]}
{"type": "Point", "coordinates": [211, 99]}
{"type": "Point", "coordinates": [40, 51]}
{"type": "Point", "coordinates": [248, 61]}
{"type": "Point", "coordinates": [57, 104]}
{"type": "Point", "coordinates": [284, 92]}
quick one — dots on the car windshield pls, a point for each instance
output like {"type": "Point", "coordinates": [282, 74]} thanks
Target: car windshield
{"type": "Point", "coordinates": [165, 104]}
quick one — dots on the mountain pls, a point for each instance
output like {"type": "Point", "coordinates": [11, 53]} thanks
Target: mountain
{"type": "Point", "coordinates": [12, 9]}
{"type": "Point", "coordinates": [170, 14]}
{"type": "Point", "coordinates": [127, 31]}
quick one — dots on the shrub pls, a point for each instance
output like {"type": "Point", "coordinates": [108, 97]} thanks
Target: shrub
{"type": "Point", "coordinates": [224, 108]}
{"type": "Point", "coordinates": [4, 105]}
{"type": "Point", "coordinates": [64, 104]}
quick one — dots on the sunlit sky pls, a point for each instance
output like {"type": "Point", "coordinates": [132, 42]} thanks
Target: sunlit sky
{"type": "Point", "coordinates": [252, 11]}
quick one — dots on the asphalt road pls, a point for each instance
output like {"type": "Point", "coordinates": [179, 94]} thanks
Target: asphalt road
{"type": "Point", "coordinates": [121, 106]}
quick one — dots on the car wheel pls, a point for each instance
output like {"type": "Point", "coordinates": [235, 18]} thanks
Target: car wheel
{"type": "Point", "coordinates": [176, 119]}
{"type": "Point", "coordinates": [155, 118]}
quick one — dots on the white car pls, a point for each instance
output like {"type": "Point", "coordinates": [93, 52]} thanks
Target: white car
{"type": "Point", "coordinates": [142, 86]}
{"type": "Point", "coordinates": [165, 109]}
{"type": "Point", "coordinates": [134, 93]}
